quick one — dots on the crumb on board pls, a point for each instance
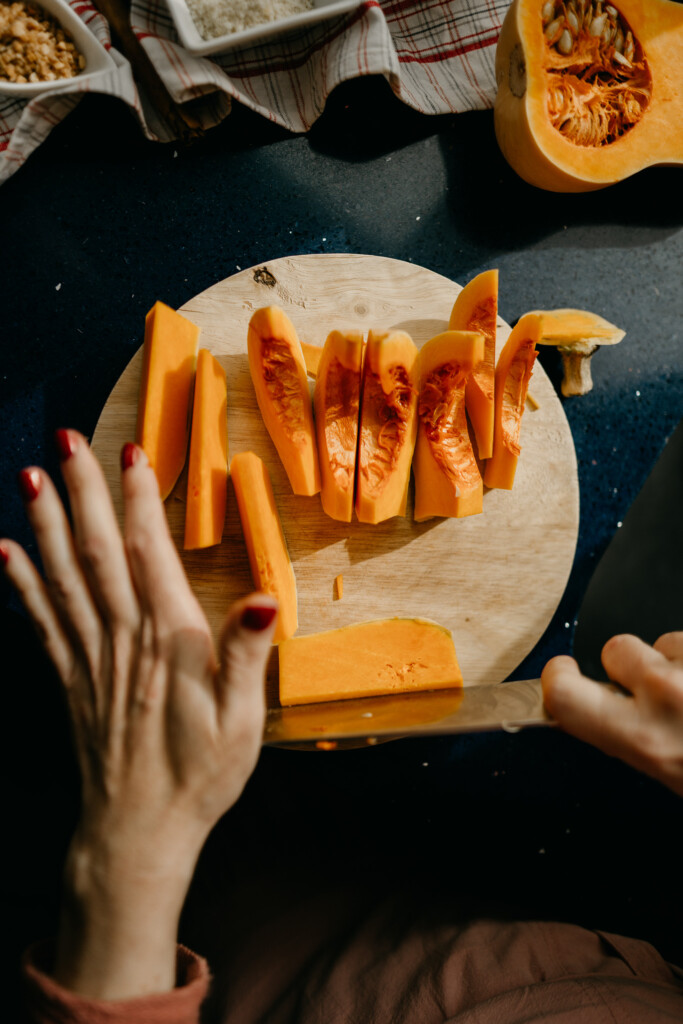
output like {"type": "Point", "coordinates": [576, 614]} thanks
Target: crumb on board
{"type": "Point", "coordinates": [339, 582]}
{"type": "Point", "coordinates": [533, 402]}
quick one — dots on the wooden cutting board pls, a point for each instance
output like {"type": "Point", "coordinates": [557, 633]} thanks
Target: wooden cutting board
{"type": "Point", "coordinates": [494, 579]}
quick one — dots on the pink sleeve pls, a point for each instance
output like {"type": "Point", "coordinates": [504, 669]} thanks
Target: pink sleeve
{"type": "Point", "coordinates": [46, 1002]}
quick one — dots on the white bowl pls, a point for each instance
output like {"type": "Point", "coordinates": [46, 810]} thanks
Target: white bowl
{"type": "Point", "coordinates": [195, 44]}
{"type": "Point", "coordinates": [97, 60]}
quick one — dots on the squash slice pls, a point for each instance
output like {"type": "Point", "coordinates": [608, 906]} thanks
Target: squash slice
{"type": "Point", "coordinates": [278, 372]}
{"type": "Point", "coordinates": [164, 406]}
{"type": "Point", "coordinates": [336, 401]}
{"type": "Point", "coordinates": [388, 426]}
{"type": "Point", "coordinates": [447, 478]}
{"type": "Point", "coordinates": [513, 372]}
{"type": "Point", "coordinates": [207, 478]}
{"type": "Point", "coordinates": [476, 309]}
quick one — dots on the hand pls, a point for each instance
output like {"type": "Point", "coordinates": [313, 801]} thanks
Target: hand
{"type": "Point", "coordinates": [166, 736]}
{"type": "Point", "coordinates": [645, 727]}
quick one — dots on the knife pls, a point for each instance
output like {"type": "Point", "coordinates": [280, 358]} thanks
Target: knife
{"type": "Point", "coordinates": [637, 587]}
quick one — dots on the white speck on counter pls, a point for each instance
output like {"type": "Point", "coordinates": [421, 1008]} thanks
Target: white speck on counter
{"type": "Point", "coordinates": [417, 218]}
{"type": "Point", "coordinates": [425, 764]}
{"type": "Point", "coordinates": [541, 850]}
{"type": "Point", "coordinates": [619, 524]}
{"type": "Point", "coordinates": [637, 394]}
{"type": "Point", "coordinates": [57, 287]}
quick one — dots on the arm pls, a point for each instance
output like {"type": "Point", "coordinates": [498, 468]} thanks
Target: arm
{"type": "Point", "coordinates": [166, 732]}
{"type": "Point", "coordinates": [644, 727]}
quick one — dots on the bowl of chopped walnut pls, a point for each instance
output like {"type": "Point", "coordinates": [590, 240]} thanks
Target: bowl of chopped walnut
{"type": "Point", "coordinates": [44, 46]}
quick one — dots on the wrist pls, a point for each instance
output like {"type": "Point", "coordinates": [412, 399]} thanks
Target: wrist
{"type": "Point", "coordinates": [119, 921]}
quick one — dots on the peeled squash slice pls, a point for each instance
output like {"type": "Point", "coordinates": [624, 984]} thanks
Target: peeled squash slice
{"type": "Point", "coordinates": [513, 372]}
{"type": "Point", "coordinates": [476, 309]}
{"type": "Point", "coordinates": [447, 478]}
{"type": "Point", "coordinates": [271, 568]}
{"type": "Point", "coordinates": [368, 660]}
{"type": "Point", "coordinates": [278, 372]}
{"type": "Point", "coordinates": [207, 478]}
{"type": "Point", "coordinates": [336, 401]}
{"type": "Point", "coordinates": [168, 367]}
{"type": "Point", "coordinates": [388, 426]}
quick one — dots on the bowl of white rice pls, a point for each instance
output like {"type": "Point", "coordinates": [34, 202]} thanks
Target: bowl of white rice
{"type": "Point", "coordinates": [217, 26]}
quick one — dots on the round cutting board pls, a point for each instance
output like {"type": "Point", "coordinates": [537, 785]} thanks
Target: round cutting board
{"type": "Point", "coordinates": [493, 579]}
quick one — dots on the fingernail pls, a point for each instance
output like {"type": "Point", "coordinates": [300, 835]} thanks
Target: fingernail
{"type": "Point", "coordinates": [29, 484]}
{"type": "Point", "coordinates": [66, 444]}
{"type": "Point", "coordinates": [257, 617]}
{"type": "Point", "coordinates": [4, 555]}
{"type": "Point", "coordinates": [130, 454]}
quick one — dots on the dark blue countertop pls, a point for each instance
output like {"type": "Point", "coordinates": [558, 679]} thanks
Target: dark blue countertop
{"type": "Point", "coordinates": [99, 224]}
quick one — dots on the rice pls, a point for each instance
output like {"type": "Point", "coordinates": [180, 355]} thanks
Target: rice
{"type": "Point", "coordinates": [223, 17]}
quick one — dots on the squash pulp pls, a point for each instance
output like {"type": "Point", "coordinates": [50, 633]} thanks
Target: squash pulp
{"type": "Point", "coordinates": [447, 477]}
{"type": "Point", "coordinates": [278, 372]}
{"type": "Point", "coordinates": [388, 426]}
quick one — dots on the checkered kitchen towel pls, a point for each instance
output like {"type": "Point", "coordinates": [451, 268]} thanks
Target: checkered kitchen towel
{"type": "Point", "coordinates": [437, 56]}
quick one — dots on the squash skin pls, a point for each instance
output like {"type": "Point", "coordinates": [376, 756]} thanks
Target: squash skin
{"type": "Point", "coordinates": [271, 568]}
{"type": "Point", "coordinates": [476, 309]}
{"type": "Point", "coordinates": [207, 478]}
{"type": "Point", "coordinates": [515, 361]}
{"type": "Point", "coordinates": [368, 659]}
{"type": "Point", "coordinates": [336, 403]}
{"type": "Point", "coordinates": [538, 152]}
{"type": "Point", "coordinates": [447, 478]}
{"type": "Point", "coordinates": [389, 399]}
{"type": "Point", "coordinates": [164, 406]}
{"type": "Point", "coordinates": [278, 373]}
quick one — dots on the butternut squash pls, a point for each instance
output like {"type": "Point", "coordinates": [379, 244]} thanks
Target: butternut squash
{"type": "Point", "coordinates": [271, 568]}
{"type": "Point", "coordinates": [164, 405]}
{"type": "Point", "coordinates": [476, 309]}
{"type": "Point", "coordinates": [589, 93]}
{"type": "Point", "coordinates": [388, 426]}
{"type": "Point", "coordinates": [513, 372]}
{"type": "Point", "coordinates": [207, 478]}
{"type": "Point", "coordinates": [278, 372]}
{"type": "Point", "coordinates": [311, 354]}
{"type": "Point", "coordinates": [366, 660]}
{"type": "Point", "coordinates": [447, 478]}
{"type": "Point", "coordinates": [336, 402]}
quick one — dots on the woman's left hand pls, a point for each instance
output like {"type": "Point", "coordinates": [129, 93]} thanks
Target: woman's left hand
{"type": "Point", "coordinates": [166, 732]}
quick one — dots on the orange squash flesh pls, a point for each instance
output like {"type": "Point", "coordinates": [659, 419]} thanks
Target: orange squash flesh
{"type": "Point", "coordinates": [271, 568]}
{"type": "Point", "coordinates": [586, 120]}
{"type": "Point", "coordinates": [388, 426]}
{"type": "Point", "coordinates": [312, 354]}
{"type": "Point", "coordinates": [336, 402]}
{"type": "Point", "coordinates": [513, 373]}
{"type": "Point", "coordinates": [168, 367]}
{"type": "Point", "coordinates": [367, 660]}
{"type": "Point", "coordinates": [447, 478]}
{"type": "Point", "coordinates": [278, 372]}
{"type": "Point", "coordinates": [207, 479]}
{"type": "Point", "coordinates": [476, 309]}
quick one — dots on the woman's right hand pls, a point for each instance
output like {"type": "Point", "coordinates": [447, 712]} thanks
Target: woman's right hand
{"type": "Point", "coordinates": [643, 727]}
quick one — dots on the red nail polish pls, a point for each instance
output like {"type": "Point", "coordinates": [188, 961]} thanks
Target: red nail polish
{"type": "Point", "coordinates": [129, 455]}
{"type": "Point", "coordinates": [29, 484]}
{"type": "Point", "coordinates": [66, 444]}
{"type": "Point", "coordinates": [258, 618]}
{"type": "Point", "coordinates": [4, 555]}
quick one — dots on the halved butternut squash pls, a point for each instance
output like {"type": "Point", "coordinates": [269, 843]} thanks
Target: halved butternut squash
{"type": "Point", "coordinates": [164, 405]}
{"type": "Point", "coordinates": [271, 568]}
{"type": "Point", "coordinates": [207, 478]}
{"type": "Point", "coordinates": [312, 355]}
{"type": "Point", "coordinates": [336, 402]}
{"type": "Point", "coordinates": [368, 659]}
{"type": "Point", "coordinates": [447, 478]}
{"type": "Point", "coordinates": [278, 372]}
{"type": "Point", "coordinates": [513, 372]}
{"type": "Point", "coordinates": [476, 309]}
{"type": "Point", "coordinates": [388, 426]}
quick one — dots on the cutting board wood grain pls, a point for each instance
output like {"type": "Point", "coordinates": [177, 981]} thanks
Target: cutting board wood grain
{"type": "Point", "coordinates": [494, 579]}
